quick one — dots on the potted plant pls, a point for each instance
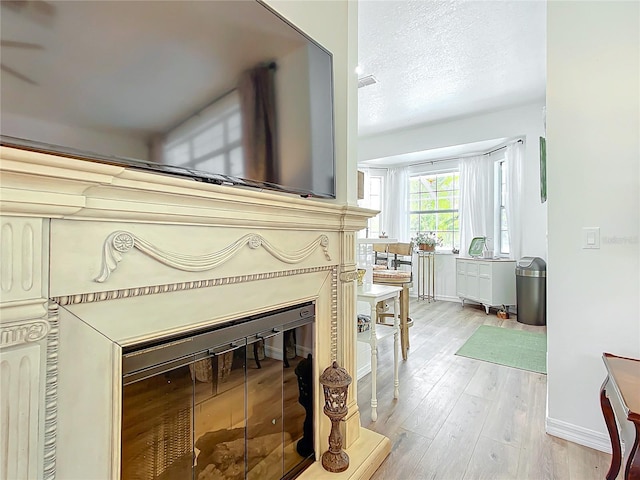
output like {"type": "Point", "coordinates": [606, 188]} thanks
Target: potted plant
{"type": "Point", "coordinates": [426, 241]}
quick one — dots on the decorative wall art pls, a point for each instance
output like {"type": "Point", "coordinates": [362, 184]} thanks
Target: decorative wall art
{"type": "Point", "coordinates": [543, 170]}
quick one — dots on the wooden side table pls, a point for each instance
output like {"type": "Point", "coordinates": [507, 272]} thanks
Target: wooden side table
{"type": "Point", "coordinates": [372, 294]}
{"type": "Point", "coordinates": [620, 400]}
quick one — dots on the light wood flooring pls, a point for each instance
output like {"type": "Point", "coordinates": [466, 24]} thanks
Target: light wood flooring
{"type": "Point", "coordinates": [459, 418]}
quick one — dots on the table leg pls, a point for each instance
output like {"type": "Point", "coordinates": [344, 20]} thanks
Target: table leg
{"type": "Point", "coordinates": [429, 278]}
{"type": "Point", "coordinates": [404, 321]}
{"type": "Point", "coordinates": [374, 362]}
{"type": "Point", "coordinates": [609, 419]}
{"type": "Point", "coordinates": [632, 469]}
{"type": "Point", "coordinates": [433, 277]}
{"type": "Point", "coordinates": [396, 333]}
{"type": "Point", "coordinates": [420, 279]}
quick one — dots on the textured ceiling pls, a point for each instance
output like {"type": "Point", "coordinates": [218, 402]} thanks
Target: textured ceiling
{"type": "Point", "coordinates": [439, 60]}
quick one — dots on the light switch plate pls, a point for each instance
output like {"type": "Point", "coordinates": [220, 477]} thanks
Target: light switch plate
{"type": "Point", "coordinates": [591, 237]}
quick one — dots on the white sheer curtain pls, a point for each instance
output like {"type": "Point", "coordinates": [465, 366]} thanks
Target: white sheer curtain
{"type": "Point", "coordinates": [396, 200]}
{"type": "Point", "coordinates": [476, 200]}
{"type": "Point", "coordinates": [514, 159]}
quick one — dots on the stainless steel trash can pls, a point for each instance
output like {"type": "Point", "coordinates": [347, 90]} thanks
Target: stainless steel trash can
{"type": "Point", "coordinates": [531, 290]}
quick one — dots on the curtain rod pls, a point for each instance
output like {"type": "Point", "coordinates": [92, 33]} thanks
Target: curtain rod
{"type": "Point", "coordinates": [432, 162]}
{"type": "Point", "coordinates": [502, 147]}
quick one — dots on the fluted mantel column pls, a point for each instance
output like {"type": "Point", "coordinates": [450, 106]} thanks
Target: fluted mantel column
{"type": "Point", "coordinates": [25, 331]}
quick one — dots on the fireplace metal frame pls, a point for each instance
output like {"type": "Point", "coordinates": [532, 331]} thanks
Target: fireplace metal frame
{"type": "Point", "coordinates": [143, 361]}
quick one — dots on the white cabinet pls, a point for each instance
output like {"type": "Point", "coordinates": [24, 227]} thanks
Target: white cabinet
{"type": "Point", "coordinates": [486, 281]}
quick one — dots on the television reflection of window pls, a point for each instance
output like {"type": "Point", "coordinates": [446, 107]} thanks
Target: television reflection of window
{"type": "Point", "coordinates": [210, 141]}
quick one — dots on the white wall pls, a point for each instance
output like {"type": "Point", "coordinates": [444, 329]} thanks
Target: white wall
{"type": "Point", "coordinates": [525, 121]}
{"type": "Point", "coordinates": [593, 152]}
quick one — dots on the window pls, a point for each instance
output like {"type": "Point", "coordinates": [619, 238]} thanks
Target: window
{"type": "Point", "coordinates": [373, 198]}
{"type": "Point", "coordinates": [502, 246]}
{"type": "Point", "coordinates": [433, 207]}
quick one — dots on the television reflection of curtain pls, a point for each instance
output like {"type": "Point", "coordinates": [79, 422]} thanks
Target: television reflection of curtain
{"type": "Point", "coordinates": [476, 177]}
{"type": "Point", "coordinates": [259, 137]}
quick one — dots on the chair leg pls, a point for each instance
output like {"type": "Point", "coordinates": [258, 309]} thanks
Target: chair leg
{"type": "Point", "coordinates": [289, 339]}
{"type": "Point", "coordinates": [404, 317]}
{"type": "Point", "coordinates": [255, 354]}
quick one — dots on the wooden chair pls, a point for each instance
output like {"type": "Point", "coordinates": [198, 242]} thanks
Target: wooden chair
{"type": "Point", "coordinates": [402, 255]}
{"type": "Point", "coordinates": [381, 254]}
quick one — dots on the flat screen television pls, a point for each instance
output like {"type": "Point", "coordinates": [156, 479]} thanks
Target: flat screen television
{"type": "Point", "coordinates": [219, 91]}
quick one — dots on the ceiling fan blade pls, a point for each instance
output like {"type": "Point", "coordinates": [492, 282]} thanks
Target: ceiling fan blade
{"type": "Point", "coordinates": [43, 8]}
{"type": "Point", "coordinates": [16, 5]}
{"type": "Point", "coordinates": [11, 43]}
{"type": "Point", "coordinates": [37, 10]}
{"type": "Point", "coordinates": [11, 71]}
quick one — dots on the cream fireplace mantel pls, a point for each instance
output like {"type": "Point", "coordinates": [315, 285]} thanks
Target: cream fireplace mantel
{"type": "Point", "coordinates": [97, 257]}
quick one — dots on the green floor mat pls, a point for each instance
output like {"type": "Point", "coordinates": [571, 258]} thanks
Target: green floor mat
{"type": "Point", "coordinates": [504, 346]}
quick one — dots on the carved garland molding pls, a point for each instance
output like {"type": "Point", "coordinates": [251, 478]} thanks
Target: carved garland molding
{"type": "Point", "coordinates": [120, 242]}
{"type": "Point", "coordinates": [175, 287]}
{"type": "Point", "coordinates": [16, 333]}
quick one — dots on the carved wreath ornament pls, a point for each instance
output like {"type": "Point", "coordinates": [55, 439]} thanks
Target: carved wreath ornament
{"type": "Point", "coordinates": [121, 242]}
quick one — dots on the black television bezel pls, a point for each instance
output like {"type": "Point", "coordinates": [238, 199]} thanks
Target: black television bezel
{"type": "Point", "coordinates": [197, 175]}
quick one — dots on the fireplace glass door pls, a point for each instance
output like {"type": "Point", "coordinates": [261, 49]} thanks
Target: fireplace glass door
{"type": "Point", "coordinates": [237, 410]}
{"type": "Point", "coordinates": [220, 414]}
{"type": "Point", "coordinates": [156, 425]}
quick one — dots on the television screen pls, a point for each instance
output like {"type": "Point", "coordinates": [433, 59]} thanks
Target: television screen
{"type": "Point", "coordinates": [220, 91]}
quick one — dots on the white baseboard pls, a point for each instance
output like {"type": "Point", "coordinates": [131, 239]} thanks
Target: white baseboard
{"type": "Point", "coordinates": [363, 370]}
{"type": "Point", "coordinates": [273, 352]}
{"type": "Point", "coordinates": [276, 353]}
{"type": "Point", "coordinates": [580, 435]}
{"type": "Point", "coordinates": [303, 351]}
{"type": "Point", "coordinates": [363, 360]}
{"type": "Point", "coordinates": [443, 298]}
{"type": "Point", "coordinates": [446, 298]}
